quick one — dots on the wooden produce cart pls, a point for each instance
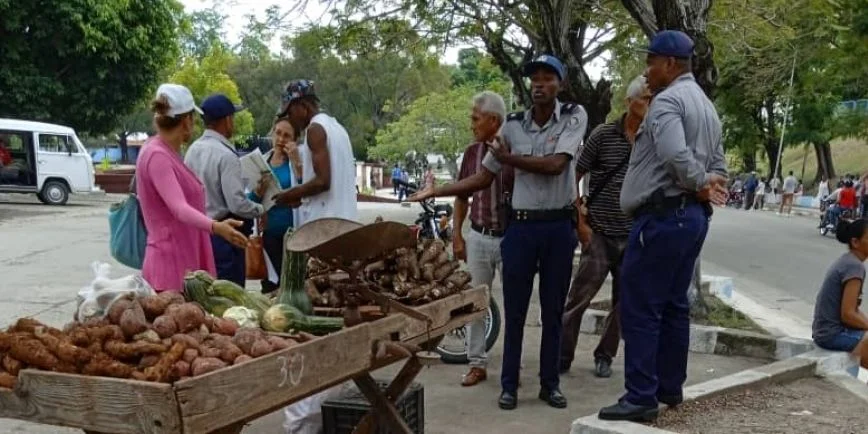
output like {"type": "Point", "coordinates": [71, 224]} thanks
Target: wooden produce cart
{"type": "Point", "coordinates": [225, 400]}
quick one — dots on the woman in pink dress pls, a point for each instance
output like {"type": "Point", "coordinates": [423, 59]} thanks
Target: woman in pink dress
{"type": "Point", "coordinates": [173, 200]}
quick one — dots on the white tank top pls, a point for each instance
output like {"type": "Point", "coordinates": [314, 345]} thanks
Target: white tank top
{"type": "Point", "coordinates": [340, 199]}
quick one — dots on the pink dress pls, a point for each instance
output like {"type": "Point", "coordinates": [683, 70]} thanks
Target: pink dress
{"type": "Point", "coordinates": [173, 206]}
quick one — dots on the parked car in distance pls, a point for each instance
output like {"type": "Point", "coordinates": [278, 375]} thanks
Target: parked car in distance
{"type": "Point", "coordinates": [44, 159]}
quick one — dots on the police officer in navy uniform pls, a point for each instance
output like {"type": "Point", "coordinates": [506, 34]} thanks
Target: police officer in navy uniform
{"type": "Point", "coordinates": [541, 145]}
{"type": "Point", "coordinates": [676, 171]}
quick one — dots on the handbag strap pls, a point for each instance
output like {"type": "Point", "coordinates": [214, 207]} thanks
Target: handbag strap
{"type": "Point", "coordinates": [606, 179]}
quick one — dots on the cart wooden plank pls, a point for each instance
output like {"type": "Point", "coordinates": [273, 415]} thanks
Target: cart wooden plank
{"type": "Point", "coordinates": [444, 310]}
{"type": "Point", "coordinates": [101, 404]}
{"type": "Point", "coordinates": [227, 396]}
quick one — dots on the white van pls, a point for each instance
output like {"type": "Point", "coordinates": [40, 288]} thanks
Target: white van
{"type": "Point", "coordinates": [44, 159]}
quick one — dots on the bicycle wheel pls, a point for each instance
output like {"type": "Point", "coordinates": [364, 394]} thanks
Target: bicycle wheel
{"type": "Point", "coordinates": [452, 348]}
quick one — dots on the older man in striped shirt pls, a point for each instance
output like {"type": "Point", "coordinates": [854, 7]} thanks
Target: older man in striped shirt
{"type": "Point", "coordinates": [488, 210]}
{"type": "Point", "coordinates": [605, 157]}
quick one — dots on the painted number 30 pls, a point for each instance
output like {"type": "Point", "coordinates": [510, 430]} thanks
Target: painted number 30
{"type": "Point", "coordinates": [291, 369]}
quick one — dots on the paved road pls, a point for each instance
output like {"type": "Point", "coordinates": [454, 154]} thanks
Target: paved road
{"type": "Point", "coordinates": [778, 261]}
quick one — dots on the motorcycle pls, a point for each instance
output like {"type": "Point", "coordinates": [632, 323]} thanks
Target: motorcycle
{"type": "Point", "coordinates": [826, 223]}
{"type": "Point", "coordinates": [435, 222]}
{"type": "Point", "coordinates": [735, 199]}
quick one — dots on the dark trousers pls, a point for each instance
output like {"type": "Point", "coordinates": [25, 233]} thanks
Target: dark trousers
{"type": "Point", "coordinates": [528, 247]}
{"type": "Point", "coordinates": [229, 261]}
{"type": "Point", "coordinates": [656, 273]}
{"type": "Point", "coordinates": [602, 256]}
{"type": "Point", "coordinates": [749, 199]}
{"type": "Point", "coordinates": [395, 182]}
{"type": "Point", "coordinates": [273, 245]}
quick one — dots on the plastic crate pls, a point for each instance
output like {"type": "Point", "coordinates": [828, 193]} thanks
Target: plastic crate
{"type": "Point", "coordinates": [342, 414]}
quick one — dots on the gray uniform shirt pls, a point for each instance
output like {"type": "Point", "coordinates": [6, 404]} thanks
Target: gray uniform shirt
{"type": "Point", "coordinates": [562, 134]}
{"type": "Point", "coordinates": [827, 309]}
{"type": "Point", "coordinates": [677, 145]}
{"type": "Point", "coordinates": [213, 160]}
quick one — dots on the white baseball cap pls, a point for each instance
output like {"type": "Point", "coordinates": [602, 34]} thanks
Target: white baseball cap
{"type": "Point", "coordinates": [180, 99]}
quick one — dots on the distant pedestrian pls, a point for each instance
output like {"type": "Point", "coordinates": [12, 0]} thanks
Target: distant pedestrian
{"type": "Point", "coordinates": [823, 189]}
{"type": "Point", "coordinates": [863, 196]}
{"type": "Point", "coordinates": [759, 200]}
{"type": "Point", "coordinates": [790, 185]}
{"type": "Point", "coordinates": [677, 169]}
{"type": "Point", "coordinates": [839, 323]}
{"type": "Point", "coordinates": [403, 183]}
{"type": "Point", "coordinates": [750, 187]}
{"type": "Point", "coordinates": [396, 176]}
{"type": "Point", "coordinates": [775, 184]}
{"type": "Point", "coordinates": [429, 177]}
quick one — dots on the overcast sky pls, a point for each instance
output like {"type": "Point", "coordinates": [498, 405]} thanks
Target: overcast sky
{"type": "Point", "coordinates": [235, 10]}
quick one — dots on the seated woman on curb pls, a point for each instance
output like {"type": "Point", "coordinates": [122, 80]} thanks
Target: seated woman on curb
{"type": "Point", "coordinates": [839, 325]}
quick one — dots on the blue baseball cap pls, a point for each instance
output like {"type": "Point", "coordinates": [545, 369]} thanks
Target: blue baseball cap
{"type": "Point", "coordinates": [219, 106]}
{"type": "Point", "coordinates": [545, 61]}
{"type": "Point", "coordinates": [670, 43]}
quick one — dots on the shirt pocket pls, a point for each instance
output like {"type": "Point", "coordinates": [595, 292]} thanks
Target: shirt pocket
{"type": "Point", "coordinates": [550, 143]}
{"type": "Point", "coordinates": [521, 145]}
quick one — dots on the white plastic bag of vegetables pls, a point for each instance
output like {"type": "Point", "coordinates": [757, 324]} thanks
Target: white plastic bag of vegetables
{"type": "Point", "coordinates": [96, 299]}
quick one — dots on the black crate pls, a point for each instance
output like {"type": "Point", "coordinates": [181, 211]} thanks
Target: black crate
{"type": "Point", "coordinates": [341, 415]}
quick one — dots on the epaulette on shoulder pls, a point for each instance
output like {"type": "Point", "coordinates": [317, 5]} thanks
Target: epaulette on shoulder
{"type": "Point", "coordinates": [515, 116]}
{"type": "Point", "coordinates": [568, 108]}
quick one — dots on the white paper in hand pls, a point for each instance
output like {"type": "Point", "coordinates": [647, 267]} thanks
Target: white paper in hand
{"type": "Point", "coordinates": [253, 166]}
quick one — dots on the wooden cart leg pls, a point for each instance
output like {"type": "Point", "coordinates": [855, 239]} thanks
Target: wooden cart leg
{"type": "Point", "coordinates": [382, 406]}
{"type": "Point", "coordinates": [231, 429]}
{"type": "Point", "coordinates": [397, 387]}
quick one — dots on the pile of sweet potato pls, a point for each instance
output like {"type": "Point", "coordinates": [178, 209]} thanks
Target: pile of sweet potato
{"type": "Point", "coordinates": [411, 276]}
{"type": "Point", "coordinates": [157, 338]}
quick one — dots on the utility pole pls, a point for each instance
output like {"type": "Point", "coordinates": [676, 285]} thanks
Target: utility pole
{"type": "Point", "coordinates": [786, 114]}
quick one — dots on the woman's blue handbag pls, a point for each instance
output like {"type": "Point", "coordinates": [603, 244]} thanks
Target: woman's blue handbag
{"type": "Point", "coordinates": [128, 236]}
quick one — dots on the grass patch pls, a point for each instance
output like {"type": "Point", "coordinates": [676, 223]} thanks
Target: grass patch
{"type": "Point", "coordinates": [719, 315]}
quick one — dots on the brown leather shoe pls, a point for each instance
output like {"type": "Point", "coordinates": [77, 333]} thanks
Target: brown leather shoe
{"type": "Point", "coordinates": [474, 377]}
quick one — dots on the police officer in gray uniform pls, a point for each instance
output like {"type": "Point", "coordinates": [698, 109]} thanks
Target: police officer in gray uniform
{"type": "Point", "coordinates": [541, 144]}
{"type": "Point", "coordinates": [676, 171]}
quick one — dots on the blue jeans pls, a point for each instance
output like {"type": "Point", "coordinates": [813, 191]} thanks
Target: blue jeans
{"type": "Point", "coordinates": [655, 275]}
{"type": "Point", "coordinates": [229, 261]}
{"type": "Point", "coordinates": [844, 341]}
{"type": "Point", "coordinates": [529, 247]}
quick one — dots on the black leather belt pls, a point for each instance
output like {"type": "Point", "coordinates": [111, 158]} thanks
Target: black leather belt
{"type": "Point", "coordinates": [486, 231]}
{"type": "Point", "coordinates": [659, 204]}
{"type": "Point", "coordinates": [543, 215]}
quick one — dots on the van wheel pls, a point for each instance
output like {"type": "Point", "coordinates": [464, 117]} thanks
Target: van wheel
{"type": "Point", "coordinates": [53, 193]}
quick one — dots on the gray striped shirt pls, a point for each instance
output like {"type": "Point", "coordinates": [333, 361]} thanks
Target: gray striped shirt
{"type": "Point", "coordinates": [603, 157]}
{"type": "Point", "coordinates": [677, 145]}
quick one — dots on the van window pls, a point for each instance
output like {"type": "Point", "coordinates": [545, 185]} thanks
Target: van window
{"type": "Point", "coordinates": [14, 142]}
{"type": "Point", "coordinates": [56, 143]}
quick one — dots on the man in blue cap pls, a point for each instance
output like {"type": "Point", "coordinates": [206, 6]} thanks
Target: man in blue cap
{"type": "Point", "coordinates": [212, 157]}
{"type": "Point", "coordinates": [676, 171]}
{"type": "Point", "coordinates": [541, 145]}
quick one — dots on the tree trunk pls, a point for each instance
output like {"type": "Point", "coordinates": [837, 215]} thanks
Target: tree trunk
{"type": "Point", "coordinates": [770, 142]}
{"type": "Point", "coordinates": [748, 160]}
{"type": "Point", "coordinates": [825, 165]}
{"type": "Point", "coordinates": [688, 16]}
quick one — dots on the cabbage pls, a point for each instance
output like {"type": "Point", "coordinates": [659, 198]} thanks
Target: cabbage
{"type": "Point", "coordinates": [275, 319]}
{"type": "Point", "coordinates": [245, 317]}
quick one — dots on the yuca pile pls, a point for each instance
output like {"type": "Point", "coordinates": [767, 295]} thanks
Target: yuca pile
{"type": "Point", "coordinates": [157, 338]}
{"type": "Point", "coordinates": [410, 276]}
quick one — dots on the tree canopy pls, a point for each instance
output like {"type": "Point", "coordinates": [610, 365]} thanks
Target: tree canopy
{"type": "Point", "coordinates": [83, 63]}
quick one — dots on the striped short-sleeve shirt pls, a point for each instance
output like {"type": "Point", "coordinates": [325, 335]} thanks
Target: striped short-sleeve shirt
{"type": "Point", "coordinates": [604, 156]}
